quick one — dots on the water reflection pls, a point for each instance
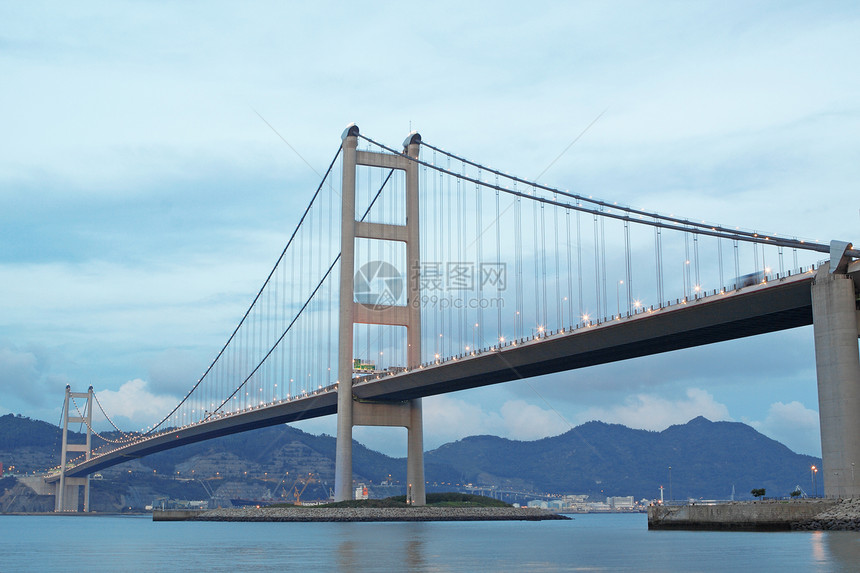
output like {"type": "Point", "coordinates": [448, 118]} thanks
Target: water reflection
{"type": "Point", "coordinates": [346, 554]}
{"type": "Point", "coordinates": [843, 548]}
{"type": "Point", "coordinates": [379, 546]}
{"type": "Point", "coordinates": [819, 552]}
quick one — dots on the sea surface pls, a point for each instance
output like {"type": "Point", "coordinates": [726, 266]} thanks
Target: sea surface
{"type": "Point", "coordinates": [594, 542]}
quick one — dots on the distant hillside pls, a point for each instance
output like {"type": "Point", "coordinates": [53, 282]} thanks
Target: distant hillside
{"type": "Point", "coordinates": [19, 432]}
{"type": "Point", "coordinates": [707, 459]}
{"type": "Point", "coordinates": [598, 459]}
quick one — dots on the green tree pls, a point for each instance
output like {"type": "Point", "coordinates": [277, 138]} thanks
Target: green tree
{"type": "Point", "coordinates": [757, 492]}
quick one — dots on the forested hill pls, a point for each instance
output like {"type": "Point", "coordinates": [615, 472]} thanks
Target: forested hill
{"type": "Point", "coordinates": [707, 459]}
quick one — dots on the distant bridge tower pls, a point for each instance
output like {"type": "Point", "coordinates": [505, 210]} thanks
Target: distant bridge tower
{"type": "Point", "coordinates": [67, 496]}
{"type": "Point", "coordinates": [836, 324]}
{"type": "Point", "coordinates": [349, 411]}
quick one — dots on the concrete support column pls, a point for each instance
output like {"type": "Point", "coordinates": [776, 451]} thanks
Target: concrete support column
{"type": "Point", "coordinates": [59, 498]}
{"type": "Point", "coordinates": [415, 438]}
{"type": "Point", "coordinates": [416, 494]}
{"type": "Point", "coordinates": [837, 363]}
{"type": "Point", "coordinates": [89, 446]}
{"type": "Point", "coordinates": [343, 452]}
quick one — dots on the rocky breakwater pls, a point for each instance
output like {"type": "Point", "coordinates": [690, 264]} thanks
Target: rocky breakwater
{"type": "Point", "coordinates": [844, 516]}
{"type": "Point", "coordinates": [308, 514]}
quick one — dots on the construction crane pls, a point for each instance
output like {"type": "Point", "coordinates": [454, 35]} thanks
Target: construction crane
{"type": "Point", "coordinates": [208, 489]}
{"type": "Point", "coordinates": [304, 482]}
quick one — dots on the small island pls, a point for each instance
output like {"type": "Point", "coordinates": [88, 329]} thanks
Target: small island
{"type": "Point", "coordinates": [440, 507]}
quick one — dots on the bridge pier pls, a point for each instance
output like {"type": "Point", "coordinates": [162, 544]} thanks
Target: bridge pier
{"type": "Point", "coordinates": [351, 412]}
{"type": "Point", "coordinates": [836, 325]}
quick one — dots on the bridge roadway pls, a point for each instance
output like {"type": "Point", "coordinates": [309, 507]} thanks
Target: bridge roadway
{"type": "Point", "coordinates": [777, 305]}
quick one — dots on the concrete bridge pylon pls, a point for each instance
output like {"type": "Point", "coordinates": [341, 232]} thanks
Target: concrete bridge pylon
{"type": "Point", "coordinates": [836, 326]}
{"type": "Point", "coordinates": [68, 489]}
{"type": "Point", "coordinates": [350, 411]}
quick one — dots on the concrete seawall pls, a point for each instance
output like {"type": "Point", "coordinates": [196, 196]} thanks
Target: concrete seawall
{"type": "Point", "coordinates": [175, 514]}
{"type": "Point", "coordinates": [310, 514]}
{"type": "Point", "coordinates": [774, 515]}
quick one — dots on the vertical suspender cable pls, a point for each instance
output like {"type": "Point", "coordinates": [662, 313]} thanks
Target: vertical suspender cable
{"type": "Point", "coordinates": [579, 265]}
{"type": "Point", "coordinates": [658, 234]}
{"type": "Point", "coordinates": [559, 308]}
{"type": "Point", "coordinates": [497, 272]}
{"type": "Point", "coordinates": [480, 258]}
{"type": "Point", "coordinates": [720, 257]}
{"type": "Point", "coordinates": [597, 266]}
{"type": "Point", "coordinates": [755, 257]}
{"type": "Point", "coordinates": [537, 290]}
{"type": "Point", "coordinates": [461, 318]}
{"type": "Point", "coordinates": [687, 271]}
{"type": "Point", "coordinates": [543, 266]}
{"type": "Point", "coordinates": [570, 321]}
{"type": "Point", "coordinates": [627, 269]}
{"type": "Point", "coordinates": [603, 264]}
{"type": "Point", "coordinates": [518, 263]}
{"type": "Point", "coordinates": [696, 255]}
{"type": "Point", "coordinates": [737, 265]}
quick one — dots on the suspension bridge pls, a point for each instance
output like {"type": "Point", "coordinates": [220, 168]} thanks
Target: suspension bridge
{"type": "Point", "coordinates": [414, 271]}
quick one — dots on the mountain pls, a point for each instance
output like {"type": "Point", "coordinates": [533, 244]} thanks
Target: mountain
{"type": "Point", "coordinates": [707, 459]}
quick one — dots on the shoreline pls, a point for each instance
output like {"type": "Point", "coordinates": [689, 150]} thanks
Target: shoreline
{"type": "Point", "coordinates": [363, 514]}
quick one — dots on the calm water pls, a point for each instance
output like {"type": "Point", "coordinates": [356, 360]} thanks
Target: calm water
{"type": "Point", "coordinates": [589, 543]}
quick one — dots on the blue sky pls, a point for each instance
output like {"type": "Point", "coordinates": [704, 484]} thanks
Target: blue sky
{"type": "Point", "coordinates": [144, 200]}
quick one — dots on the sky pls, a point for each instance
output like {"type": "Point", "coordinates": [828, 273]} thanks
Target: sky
{"type": "Point", "coordinates": [144, 198]}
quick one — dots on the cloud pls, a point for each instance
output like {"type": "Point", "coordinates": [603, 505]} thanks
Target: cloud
{"type": "Point", "coordinates": [134, 403]}
{"type": "Point", "coordinates": [23, 375]}
{"type": "Point", "coordinates": [447, 419]}
{"type": "Point", "coordinates": [794, 425]}
{"type": "Point", "coordinates": [650, 412]}
{"type": "Point", "coordinates": [174, 371]}
{"type": "Point", "coordinates": [19, 368]}
{"type": "Point", "coordinates": [524, 421]}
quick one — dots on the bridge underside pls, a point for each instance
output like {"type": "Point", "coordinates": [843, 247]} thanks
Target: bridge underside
{"type": "Point", "coordinates": [778, 305]}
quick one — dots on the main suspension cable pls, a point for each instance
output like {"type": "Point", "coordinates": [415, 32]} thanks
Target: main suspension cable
{"type": "Point", "coordinates": [663, 221]}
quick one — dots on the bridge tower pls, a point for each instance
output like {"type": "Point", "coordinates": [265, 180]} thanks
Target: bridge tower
{"type": "Point", "coordinates": [68, 488]}
{"type": "Point", "coordinates": [836, 326]}
{"type": "Point", "coordinates": [351, 412]}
